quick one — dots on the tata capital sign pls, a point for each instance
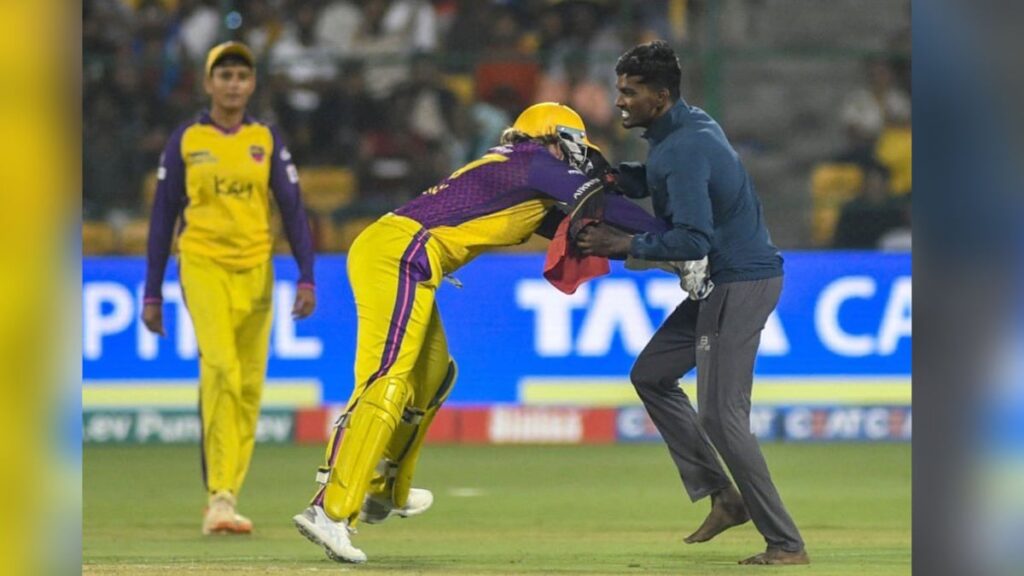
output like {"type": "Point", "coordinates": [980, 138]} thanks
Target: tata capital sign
{"type": "Point", "coordinates": [841, 313]}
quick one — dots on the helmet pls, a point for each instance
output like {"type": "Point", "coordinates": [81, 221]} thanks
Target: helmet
{"type": "Point", "coordinates": [554, 119]}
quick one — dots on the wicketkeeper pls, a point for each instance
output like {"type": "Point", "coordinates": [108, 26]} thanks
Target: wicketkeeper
{"type": "Point", "coordinates": [403, 370]}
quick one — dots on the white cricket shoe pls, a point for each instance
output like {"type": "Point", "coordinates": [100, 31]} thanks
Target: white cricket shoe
{"type": "Point", "coordinates": [314, 524]}
{"type": "Point", "coordinates": [376, 510]}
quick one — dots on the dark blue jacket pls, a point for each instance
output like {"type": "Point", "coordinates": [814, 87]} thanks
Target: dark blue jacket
{"type": "Point", "coordinates": [699, 187]}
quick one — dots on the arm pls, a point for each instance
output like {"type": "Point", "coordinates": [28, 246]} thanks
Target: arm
{"type": "Point", "coordinates": [284, 181]}
{"type": "Point", "coordinates": [615, 242]}
{"type": "Point", "coordinates": [579, 195]}
{"type": "Point", "coordinates": [688, 211]}
{"type": "Point", "coordinates": [630, 217]}
{"type": "Point", "coordinates": [167, 206]}
{"type": "Point", "coordinates": [554, 178]}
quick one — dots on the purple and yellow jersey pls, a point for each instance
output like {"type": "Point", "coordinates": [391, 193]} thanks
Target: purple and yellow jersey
{"type": "Point", "coordinates": [217, 182]}
{"type": "Point", "coordinates": [500, 200]}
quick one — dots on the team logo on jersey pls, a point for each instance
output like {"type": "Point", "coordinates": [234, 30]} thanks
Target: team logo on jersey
{"type": "Point", "coordinates": [257, 152]}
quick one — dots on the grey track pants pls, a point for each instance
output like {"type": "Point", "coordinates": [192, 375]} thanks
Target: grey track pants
{"type": "Point", "coordinates": [719, 336]}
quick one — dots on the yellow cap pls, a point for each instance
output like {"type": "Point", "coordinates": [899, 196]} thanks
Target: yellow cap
{"type": "Point", "coordinates": [228, 48]}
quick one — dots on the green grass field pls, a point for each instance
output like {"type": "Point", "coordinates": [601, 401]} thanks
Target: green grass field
{"type": "Point", "coordinates": [500, 510]}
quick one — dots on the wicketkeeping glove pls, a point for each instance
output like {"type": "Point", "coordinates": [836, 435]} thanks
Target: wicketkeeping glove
{"type": "Point", "coordinates": [599, 167]}
{"type": "Point", "coordinates": [587, 208]}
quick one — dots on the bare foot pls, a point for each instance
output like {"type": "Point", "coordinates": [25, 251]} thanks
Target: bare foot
{"type": "Point", "coordinates": [778, 556]}
{"type": "Point", "coordinates": [727, 510]}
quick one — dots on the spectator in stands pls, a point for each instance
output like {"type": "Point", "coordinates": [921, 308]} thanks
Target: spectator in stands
{"type": "Point", "coordinates": [165, 72]}
{"type": "Point", "coordinates": [348, 116]}
{"type": "Point", "coordinates": [302, 71]}
{"type": "Point", "coordinates": [867, 217]}
{"type": "Point", "coordinates": [389, 32]}
{"type": "Point", "coordinates": [111, 171]}
{"type": "Point", "coordinates": [549, 30]}
{"type": "Point", "coordinates": [506, 64]}
{"type": "Point", "coordinates": [581, 92]}
{"type": "Point", "coordinates": [469, 34]}
{"type": "Point", "coordinates": [427, 107]}
{"type": "Point", "coordinates": [894, 150]}
{"type": "Point", "coordinates": [587, 33]}
{"type": "Point", "coordinates": [198, 27]}
{"type": "Point", "coordinates": [388, 175]}
{"type": "Point", "coordinates": [336, 26]}
{"type": "Point", "coordinates": [487, 120]}
{"type": "Point", "coordinates": [900, 44]}
{"type": "Point", "coordinates": [106, 28]}
{"type": "Point", "coordinates": [262, 27]}
{"type": "Point", "coordinates": [869, 109]}
{"type": "Point", "coordinates": [430, 112]}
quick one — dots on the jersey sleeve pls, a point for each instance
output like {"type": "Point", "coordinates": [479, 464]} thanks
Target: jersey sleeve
{"type": "Point", "coordinates": [284, 182]}
{"type": "Point", "coordinates": [167, 206]}
{"type": "Point", "coordinates": [554, 178]}
{"type": "Point", "coordinates": [563, 183]}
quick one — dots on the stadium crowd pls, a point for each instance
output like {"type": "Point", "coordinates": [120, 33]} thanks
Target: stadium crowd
{"type": "Point", "coordinates": [389, 96]}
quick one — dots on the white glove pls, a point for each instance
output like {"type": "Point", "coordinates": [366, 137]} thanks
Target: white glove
{"type": "Point", "coordinates": [694, 276]}
{"type": "Point", "coordinates": [695, 279]}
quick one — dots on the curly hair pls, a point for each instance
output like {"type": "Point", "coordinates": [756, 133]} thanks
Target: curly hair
{"type": "Point", "coordinates": [655, 63]}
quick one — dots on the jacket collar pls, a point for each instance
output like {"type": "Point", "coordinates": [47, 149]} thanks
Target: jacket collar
{"type": "Point", "coordinates": [665, 124]}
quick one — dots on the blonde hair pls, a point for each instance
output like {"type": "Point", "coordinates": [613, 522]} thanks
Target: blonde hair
{"type": "Point", "coordinates": [512, 136]}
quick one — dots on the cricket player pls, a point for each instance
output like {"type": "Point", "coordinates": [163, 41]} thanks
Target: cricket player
{"type": "Point", "coordinates": [403, 370]}
{"type": "Point", "coordinates": [215, 176]}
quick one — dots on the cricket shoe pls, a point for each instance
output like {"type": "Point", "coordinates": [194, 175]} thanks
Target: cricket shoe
{"type": "Point", "coordinates": [376, 510]}
{"type": "Point", "coordinates": [220, 516]}
{"type": "Point", "coordinates": [314, 524]}
{"type": "Point", "coordinates": [242, 524]}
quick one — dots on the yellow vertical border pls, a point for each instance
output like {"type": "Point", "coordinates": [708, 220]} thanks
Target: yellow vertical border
{"type": "Point", "coordinates": [39, 61]}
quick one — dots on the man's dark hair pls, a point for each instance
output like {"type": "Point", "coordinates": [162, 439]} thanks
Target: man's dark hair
{"type": "Point", "coordinates": [655, 63]}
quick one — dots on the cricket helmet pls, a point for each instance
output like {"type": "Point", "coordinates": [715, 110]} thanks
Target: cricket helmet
{"type": "Point", "coordinates": [554, 119]}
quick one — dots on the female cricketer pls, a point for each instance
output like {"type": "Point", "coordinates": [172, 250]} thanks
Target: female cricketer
{"type": "Point", "coordinates": [214, 177]}
{"type": "Point", "coordinates": [403, 371]}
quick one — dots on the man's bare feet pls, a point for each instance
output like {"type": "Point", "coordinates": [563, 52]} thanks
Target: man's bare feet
{"type": "Point", "coordinates": [778, 556]}
{"type": "Point", "coordinates": [727, 510]}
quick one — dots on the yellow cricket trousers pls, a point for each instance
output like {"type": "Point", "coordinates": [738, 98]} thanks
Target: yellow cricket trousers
{"type": "Point", "coordinates": [401, 358]}
{"type": "Point", "coordinates": [231, 312]}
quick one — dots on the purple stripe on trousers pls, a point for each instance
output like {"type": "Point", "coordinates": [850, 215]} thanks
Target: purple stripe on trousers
{"type": "Point", "coordinates": [407, 277]}
{"type": "Point", "coordinates": [413, 267]}
{"type": "Point", "coordinates": [338, 433]}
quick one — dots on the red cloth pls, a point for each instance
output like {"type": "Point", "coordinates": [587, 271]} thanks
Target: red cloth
{"type": "Point", "coordinates": [565, 268]}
